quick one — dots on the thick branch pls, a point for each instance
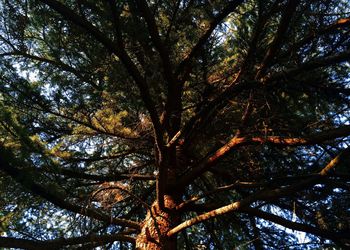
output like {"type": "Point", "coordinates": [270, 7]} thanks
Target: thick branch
{"type": "Point", "coordinates": [162, 49]}
{"type": "Point", "coordinates": [335, 27]}
{"type": "Point", "coordinates": [276, 43]}
{"type": "Point", "coordinates": [236, 206]}
{"type": "Point", "coordinates": [11, 242]}
{"type": "Point", "coordinates": [311, 65]}
{"type": "Point", "coordinates": [119, 50]}
{"type": "Point", "coordinates": [235, 142]}
{"type": "Point", "coordinates": [211, 107]}
{"type": "Point", "coordinates": [337, 237]}
{"type": "Point", "coordinates": [265, 195]}
{"type": "Point", "coordinates": [233, 207]}
{"type": "Point", "coordinates": [22, 177]}
{"type": "Point", "coordinates": [185, 64]}
{"type": "Point", "coordinates": [172, 118]}
{"type": "Point", "coordinates": [206, 216]}
{"type": "Point", "coordinates": [81, 22]}
{"type": "Point", "coordinates": [336, 161]}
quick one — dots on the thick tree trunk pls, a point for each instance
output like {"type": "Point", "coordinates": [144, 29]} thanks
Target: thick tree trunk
{"type": "Point", "coordinates": [156, 225]}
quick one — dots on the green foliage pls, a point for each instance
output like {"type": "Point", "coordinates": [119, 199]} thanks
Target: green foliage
{"type": "Point", "coordinates": [79, 122]}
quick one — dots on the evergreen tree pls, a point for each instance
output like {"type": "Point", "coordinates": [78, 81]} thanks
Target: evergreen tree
{"type": "Point", "coordinates": [174, 124]}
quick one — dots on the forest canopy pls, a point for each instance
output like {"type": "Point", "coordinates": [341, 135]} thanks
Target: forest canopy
{"type": "Point", "coordinates": [134, 124]}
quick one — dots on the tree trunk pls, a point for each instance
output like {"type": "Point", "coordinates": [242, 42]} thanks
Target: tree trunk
{"type": "Point", "coordinates": [156, 225]}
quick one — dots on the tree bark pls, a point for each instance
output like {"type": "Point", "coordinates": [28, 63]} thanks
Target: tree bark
{"type": "Point", "coordinates": [156, 225]}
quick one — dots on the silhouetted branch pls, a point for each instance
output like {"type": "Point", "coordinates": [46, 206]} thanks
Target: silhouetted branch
{"type": "Point", "coordinates": [334, 27]}
{"type": "Point", "coordinates": [235, 142]}
{"type": "Point", "coordinates": [10, 242]}
{"type": "Point", "coordinates": [23, 177]}
{"type": "Point", "coordinates": [184, 65]}
{"type": "Point", "coordinates": [264, 195]}
{"type": "Point", "coordinates": [118, 49]}
{"type": "Point", "coordinates": [276, 44]}
{"type": "Point", "coordinates": [337, 237]}
{"type": "Point", "coordinates": [311, 65]}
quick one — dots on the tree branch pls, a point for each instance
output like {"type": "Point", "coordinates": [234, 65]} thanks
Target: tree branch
{"type": "Point", "coordinates": [183, 206]}
{"type": "Point", "coordinates": [8, 164]}
{"type": "Point", "coordinates": [337, 237]}
{"type": "Point", "coordinates": [11, 242]}
{"type": "Point", "coordinates": [58, 64]}
{"type": "Point", "coordinates": [265, 195]}
{"type": "Point", "coordinates": [235, 142]}
{"type": "Point", "coordinates": [341, 23]}
{"type": "Point", "coordinates": [290, 8]}
{"type": "Point", "coordinates": [184, 65]}
{"type": "Point", "coordinates": [236, 206]}
{"type": "Point", "coordinates": [219, 101]}
{"type": "Point", "coordinates": [206, 216]}
{"type": "Point", "coordinates": [89, 125]}
{"type": "Point", "coordinates": [119, 50]}
{"type": "Point", "coordinates": [311, 65]}
{"type": "Point", "coordinates": [172, 117]}
{"type": "Point", "coordinates": [113, 177]}
{"type": "Point", "coordinates": [208, 110]}
{"type": "Point", "coordinates": [258, 29]}
{"type": "Point", "coordinates": [173, 105]}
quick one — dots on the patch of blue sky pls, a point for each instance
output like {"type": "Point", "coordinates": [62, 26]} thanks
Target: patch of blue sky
{"type": "Point", "coordinates": [302, 237]}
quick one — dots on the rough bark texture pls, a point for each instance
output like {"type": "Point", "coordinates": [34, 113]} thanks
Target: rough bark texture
{"type": "Point", "coordinates": [156, 225]}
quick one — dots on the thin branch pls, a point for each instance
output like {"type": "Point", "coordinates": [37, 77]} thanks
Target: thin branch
{"type": "Point", "coordinates": [58, 63]}
{"type": "Point", "coordinates": [258, 29]}
{"type": "Point", "coordinates": [111, 177]}
{"type": "Point", "coordinates": [84, 123]}
{"type": "Point", "coordinates": [275, 182]}
{"type": "Point", "coordinates": [120, 154]}
{"type": "Point", "coordinates": [235, 185]}
{"type": "Point", "coordinates": [176, 8]}
{"type": "Point", "coordinates": [220, 101]}
{"type": "Point", "coordinates": [104, 189]}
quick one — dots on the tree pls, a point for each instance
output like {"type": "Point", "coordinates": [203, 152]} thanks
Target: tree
{"type": "Point", "coordinates": [174, 124]}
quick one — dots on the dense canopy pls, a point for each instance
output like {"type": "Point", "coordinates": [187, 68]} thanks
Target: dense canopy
{"type": "Point", "coordinates": [174, 124]}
